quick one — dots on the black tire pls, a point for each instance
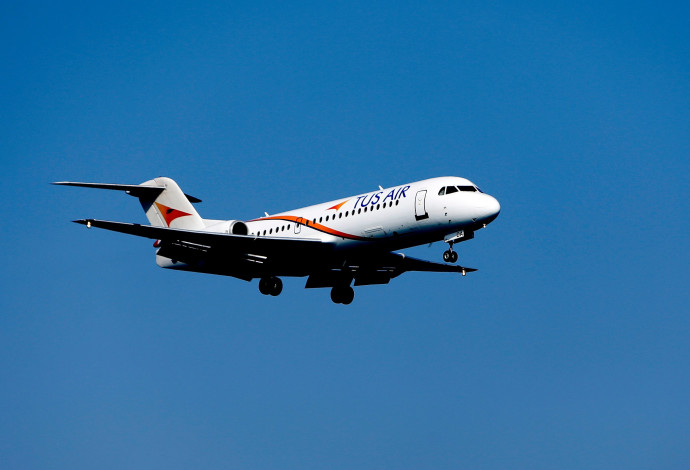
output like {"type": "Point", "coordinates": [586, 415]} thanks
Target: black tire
{"type": "Point", "coordinates": [454, 257]}
{"type": "Point", "coordinates": [335, 295]}
{"type": "Point", "coordinates": [447, 256]}
{"type": "Point", "coordinates": [347, 296]}
{"type": "Point", "coordinates": [264, 286]}
{"type": "Point", "coordinates": [342, 295]}
{"type": "Point", "coordinates": [276, 286]}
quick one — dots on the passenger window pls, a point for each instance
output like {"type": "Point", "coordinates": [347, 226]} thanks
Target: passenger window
{"type": "Point", "coordinates": [359, 211]}
{"type": "Point", "coordinates": [378, 207]}
{"type": "Point", "coordinates": [320, 219]}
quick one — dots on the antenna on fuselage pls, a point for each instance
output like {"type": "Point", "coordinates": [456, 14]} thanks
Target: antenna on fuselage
{"type": "Point", "coordinates": [380, 188]}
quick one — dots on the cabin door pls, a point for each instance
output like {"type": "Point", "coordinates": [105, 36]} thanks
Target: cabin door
{"type": "Point", "coordinates": [420, 212]}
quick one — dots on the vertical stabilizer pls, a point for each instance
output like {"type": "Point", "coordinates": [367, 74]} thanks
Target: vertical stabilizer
{"type": "Point", "coordinates": [170, 208]}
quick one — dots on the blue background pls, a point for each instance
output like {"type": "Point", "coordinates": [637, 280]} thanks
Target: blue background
{"type": "Point", "coordinates": [568, 349]}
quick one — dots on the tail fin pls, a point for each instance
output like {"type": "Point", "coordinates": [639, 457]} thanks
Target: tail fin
{"type": "Point", "coordinates": [171, 207]}
{"type": "Point", "coordinates": [162, 199]}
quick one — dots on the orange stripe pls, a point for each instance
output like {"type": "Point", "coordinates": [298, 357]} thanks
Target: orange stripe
{"type": "Point", "coordinates": [314, 225]}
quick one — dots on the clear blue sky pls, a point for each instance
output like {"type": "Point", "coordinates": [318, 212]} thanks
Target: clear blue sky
{"type": "Point", "coordinates": [568, 349]}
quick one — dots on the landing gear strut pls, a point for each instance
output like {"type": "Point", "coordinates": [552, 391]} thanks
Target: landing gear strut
{"type": "Point", "coordinates": [450, 256]}
{"type": "Point", "coordinates": [270, 286]}
{"type": "Point", "coordinates": [342, 295]}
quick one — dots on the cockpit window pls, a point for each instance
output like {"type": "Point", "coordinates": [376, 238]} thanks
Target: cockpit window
{"type": "Point", "coordinates": [453, 189]}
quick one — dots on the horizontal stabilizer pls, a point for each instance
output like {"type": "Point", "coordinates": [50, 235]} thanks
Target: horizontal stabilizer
{"type": "Point", "coordinates": [136, 190]}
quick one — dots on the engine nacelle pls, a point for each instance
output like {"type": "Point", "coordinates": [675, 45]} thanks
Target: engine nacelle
{"type": "Point", "coordinates": [237, 227]}
{"type": "Point", "coordinates": [233, 227]}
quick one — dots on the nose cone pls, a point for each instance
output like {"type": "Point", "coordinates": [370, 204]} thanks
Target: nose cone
{"type": "Point", "coordinates": [488, 209]}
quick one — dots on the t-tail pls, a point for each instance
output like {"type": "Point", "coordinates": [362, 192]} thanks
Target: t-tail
{"type": "Point", "coordinates": [161, 198]}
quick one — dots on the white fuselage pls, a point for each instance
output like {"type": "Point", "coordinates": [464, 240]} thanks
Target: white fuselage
{"type": "Point", "coordinates": [402, 216]}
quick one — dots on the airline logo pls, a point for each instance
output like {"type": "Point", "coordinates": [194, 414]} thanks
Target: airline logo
{"type": "Point", "coordinates": [170, 214]}
{"type": "Point", "coordinates": [338, 206]}
{"type": "Point", "coordinates": [374, 198]}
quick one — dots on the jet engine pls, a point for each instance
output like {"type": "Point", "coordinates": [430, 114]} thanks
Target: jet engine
{"type": "Point", "coordinates": [233, 227]}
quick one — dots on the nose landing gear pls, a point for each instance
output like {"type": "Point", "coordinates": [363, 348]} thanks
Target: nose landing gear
{"type": "Point", "coordinates": [450, 256]}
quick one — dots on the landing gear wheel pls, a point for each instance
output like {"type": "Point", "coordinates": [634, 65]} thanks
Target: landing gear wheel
{"type": "Point", "coordinates": [276, 286]}
{"type": "Point", "coordinates": [264, 285]}
{"type": "Point", "coordinates": [348, 296]}
{"type": "Point", "coordinates": [450, 256]}
{"type": "Point", "coordinates": [270, 286]}
{"type": "Point", "coordinates": [342, 295]}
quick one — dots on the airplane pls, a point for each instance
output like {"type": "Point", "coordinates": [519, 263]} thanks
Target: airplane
{"type": "Point", "coordinates": [355, 238]}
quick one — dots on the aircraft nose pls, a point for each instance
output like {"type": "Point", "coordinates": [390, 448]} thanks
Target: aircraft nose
{"type": "Point", "coordinates": [488, 210]}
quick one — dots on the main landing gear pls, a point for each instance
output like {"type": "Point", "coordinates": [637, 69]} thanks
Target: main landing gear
{"type": "Point", "coordinates": [342, 295]}
{"type": "Point", "coordinates": [270, 286]}
{"type": "Point", "coordinates": [450, 256]}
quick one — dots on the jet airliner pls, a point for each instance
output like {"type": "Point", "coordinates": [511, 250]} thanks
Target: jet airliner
{"type": "Point", "coordinates": [336, 244]}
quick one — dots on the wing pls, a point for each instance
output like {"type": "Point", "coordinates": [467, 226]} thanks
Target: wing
{"type": "Point", "coordinates": [378, 269]}
{"type": "Point", "coordinates": [415, 264]}
{"type": "Point", "coordinates": [241, 256]}
{"type": "Point", "coordinates": [248, 257]}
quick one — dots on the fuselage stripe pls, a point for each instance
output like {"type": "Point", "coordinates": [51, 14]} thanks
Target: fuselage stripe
{"type": "Point", "coordinates": [311, 224]}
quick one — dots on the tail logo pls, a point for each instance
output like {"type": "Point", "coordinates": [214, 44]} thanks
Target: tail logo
{"type": "Point", "coordinates": [170, 214]}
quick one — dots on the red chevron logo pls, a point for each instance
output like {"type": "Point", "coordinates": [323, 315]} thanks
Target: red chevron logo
{"type": "Point", "coordinates": [170, 214]}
